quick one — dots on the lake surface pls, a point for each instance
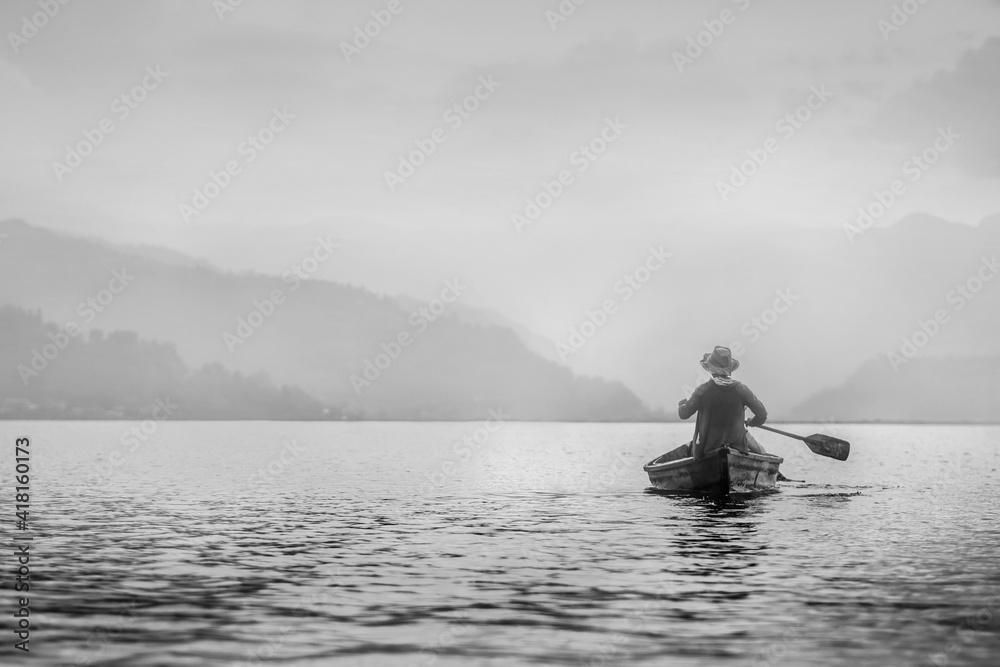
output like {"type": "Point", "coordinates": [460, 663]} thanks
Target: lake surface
{"type": "Point", "coordinates": [390, 544]}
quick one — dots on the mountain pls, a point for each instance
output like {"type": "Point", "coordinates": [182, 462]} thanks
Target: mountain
{"type": "Point", "coordinates": [345, 346]}
{"type": "Point", "coordinates": [540, 345]}
{"type": "Point", "coordinates": [851, 298]}
{"type": "Point", "coordinates": [844, 301]}
{"type": "Point", "coordinates": [119, 375]}
{"type": "Point", "coordinates": [949, 389]}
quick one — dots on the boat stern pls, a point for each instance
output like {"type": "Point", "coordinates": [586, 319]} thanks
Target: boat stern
{"type": "Point", "coordinates": [752, 473]}
{"type": "Point", "coordinates": [724, 471]}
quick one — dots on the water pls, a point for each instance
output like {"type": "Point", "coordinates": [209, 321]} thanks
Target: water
{"type": "Point", "coordinates": [388, 544]}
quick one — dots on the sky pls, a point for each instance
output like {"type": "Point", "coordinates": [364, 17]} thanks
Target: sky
{"type": "Point", "coordinates": [227, 68]}
{"type": "Point", "coordinates": [668, 123]}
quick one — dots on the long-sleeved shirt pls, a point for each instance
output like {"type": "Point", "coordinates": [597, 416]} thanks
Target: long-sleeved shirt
{"type": "Point", "coordinates": [720, 415]}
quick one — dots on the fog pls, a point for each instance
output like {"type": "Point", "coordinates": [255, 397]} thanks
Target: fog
{"type": "Point", "coordinates": [615, 187]}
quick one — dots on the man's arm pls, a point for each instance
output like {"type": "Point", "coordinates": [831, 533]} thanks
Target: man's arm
{"type": "Point", "coordinates": [752, 402]}
{"type": "Point", "coordinates": [689, 406]}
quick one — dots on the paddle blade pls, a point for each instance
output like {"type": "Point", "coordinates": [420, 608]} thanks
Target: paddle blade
{"type": "Point", "coordinates": [826, 445]}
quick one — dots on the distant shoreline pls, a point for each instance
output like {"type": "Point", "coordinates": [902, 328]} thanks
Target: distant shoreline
{"type": "Point", "coordinates": [471, 421]}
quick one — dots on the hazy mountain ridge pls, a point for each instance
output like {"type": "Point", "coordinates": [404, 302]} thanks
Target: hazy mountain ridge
{"type": "Point", "coordinates": [852, 301]}
{"type": "Point", "coordinates": [319, 336]}
{"type": "Point", "coordinates": [540, 345]}
{"type": "Point", "coordinates": [118, 375]}
{"type": "Point", "coordinates": [931, 390]}
{"type": "Point", "coordinates": [854, 298]}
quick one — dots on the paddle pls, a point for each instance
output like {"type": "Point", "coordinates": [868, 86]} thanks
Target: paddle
{"type": "Point", "coordinates": [824, 445]}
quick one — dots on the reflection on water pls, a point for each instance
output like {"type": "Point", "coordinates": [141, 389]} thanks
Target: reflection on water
{"type": "Point", "coordinates": [543, 549]}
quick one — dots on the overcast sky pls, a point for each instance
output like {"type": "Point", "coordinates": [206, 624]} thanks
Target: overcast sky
{"type": "Point", "coordinates": [683, 130]}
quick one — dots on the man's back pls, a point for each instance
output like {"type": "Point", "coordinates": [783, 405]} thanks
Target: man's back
{"type": "Point", "coordinates": [720, 406]}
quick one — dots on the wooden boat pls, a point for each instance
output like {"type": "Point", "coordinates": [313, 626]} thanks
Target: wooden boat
{"type": "Point", "coordinates": [725, 471]}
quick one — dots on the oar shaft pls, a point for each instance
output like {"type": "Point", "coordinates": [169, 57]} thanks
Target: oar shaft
{"type": "Point", "coordinates": [774, 430]}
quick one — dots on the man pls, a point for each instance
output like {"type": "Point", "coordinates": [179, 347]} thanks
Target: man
{"type": "Point", "coordinates": [720, 404]}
